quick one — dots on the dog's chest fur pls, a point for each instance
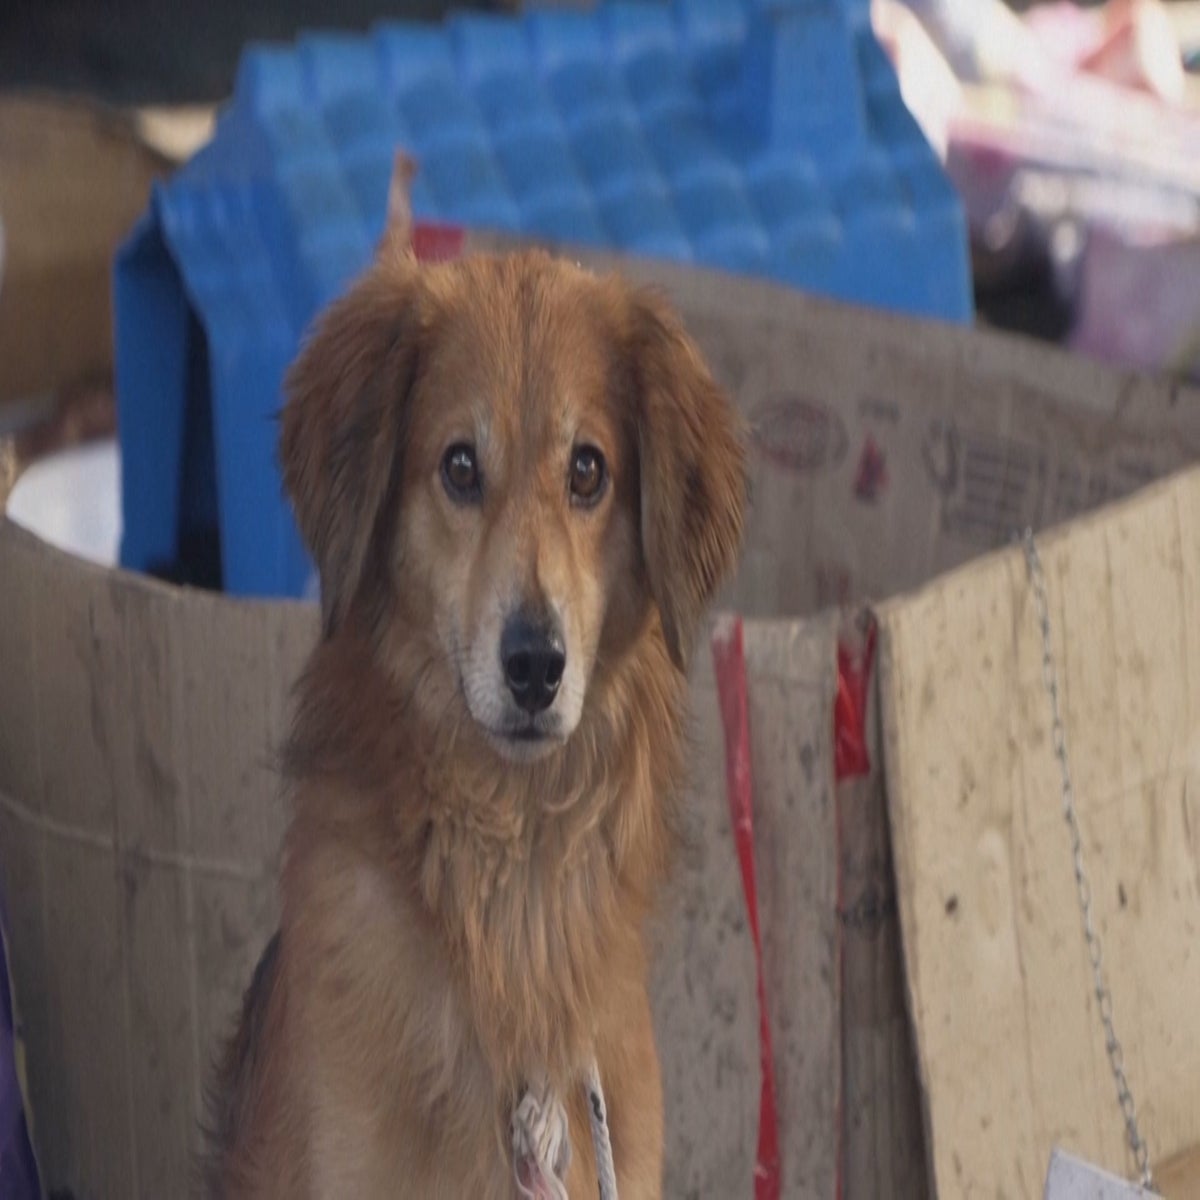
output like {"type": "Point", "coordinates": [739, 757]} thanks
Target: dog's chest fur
{"type": "Point", "coordinates": [540, 906]}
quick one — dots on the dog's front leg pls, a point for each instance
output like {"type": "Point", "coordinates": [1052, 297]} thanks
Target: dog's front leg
{"type": "Point", "coordinates": [632, 1081]}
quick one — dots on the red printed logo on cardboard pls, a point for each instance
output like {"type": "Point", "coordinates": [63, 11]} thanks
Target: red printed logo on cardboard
{"type": "Point", "coordinates": [798, 434]}
{"type": "Point", "coordinates": [871, 478]}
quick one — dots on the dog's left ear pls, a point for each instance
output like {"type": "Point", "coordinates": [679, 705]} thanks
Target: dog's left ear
{"type": "Point", "coordinates": [693, 472]}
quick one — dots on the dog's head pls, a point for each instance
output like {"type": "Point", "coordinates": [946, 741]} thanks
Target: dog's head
{"type": "Point", "coordinates": [504, 467]}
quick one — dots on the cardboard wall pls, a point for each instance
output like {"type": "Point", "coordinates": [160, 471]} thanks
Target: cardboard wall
{"type": "Point", "coordinates": [1012, 1052]}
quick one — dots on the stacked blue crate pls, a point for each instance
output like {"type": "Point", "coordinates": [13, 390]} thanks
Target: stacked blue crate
{"type": "Point", "coordinates": [766, 137]}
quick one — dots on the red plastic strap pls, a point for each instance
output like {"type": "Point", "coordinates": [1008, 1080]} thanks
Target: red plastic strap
{"type": "Point", "coordinates": [851, 757]}
{"type": "Point", "coordinates": [433, 242]}
{"type": "Point", "coordinates": [729, 659]}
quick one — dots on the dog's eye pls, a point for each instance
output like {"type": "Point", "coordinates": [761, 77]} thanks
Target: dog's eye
{"type": "Point", "coordinates": [460, 472]}
{"type": "Point", "coordinates": [588, 475]}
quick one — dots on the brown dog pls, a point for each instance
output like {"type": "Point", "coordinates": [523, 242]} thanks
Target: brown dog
{"type": "Point", "coordinates": [521, 487]}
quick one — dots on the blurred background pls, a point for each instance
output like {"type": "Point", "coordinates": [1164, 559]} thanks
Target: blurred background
{"type": "Point", "coordinates": [1069, 132]}
{"type": "Point", "coordinates": [147, 52]}
{"type": "Point", "coordinates": [975, 65]}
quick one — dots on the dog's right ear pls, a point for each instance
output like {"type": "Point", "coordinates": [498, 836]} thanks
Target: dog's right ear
{"type": "Point", "coordinates": [343, 425]}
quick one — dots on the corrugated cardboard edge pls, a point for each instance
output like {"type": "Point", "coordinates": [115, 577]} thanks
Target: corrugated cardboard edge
{"type": "Point", "coordinates": [884, 1143]}
{"type": "Point", "coordinates": [986, 891]}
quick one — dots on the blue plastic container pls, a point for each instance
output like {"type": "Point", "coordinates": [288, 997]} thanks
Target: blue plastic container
{"type": "Point", "coordinates": [766, 137]}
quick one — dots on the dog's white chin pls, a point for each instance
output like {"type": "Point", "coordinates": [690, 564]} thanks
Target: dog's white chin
{"type": "Point", "coordinates": [524, 749]}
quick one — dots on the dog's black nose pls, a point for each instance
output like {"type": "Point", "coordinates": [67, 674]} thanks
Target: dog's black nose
{"type": "Point", "coordinates": [534, 659]}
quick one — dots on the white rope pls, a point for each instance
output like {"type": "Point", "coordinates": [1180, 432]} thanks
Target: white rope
{"type": "Point", "coordinates": [541, 1141]}
{"type": "Point", "coordinates": [598, 1116]}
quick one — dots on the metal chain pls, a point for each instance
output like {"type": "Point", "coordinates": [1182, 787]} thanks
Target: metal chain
{"type": "Point", "coordinates": [1116, 1056]}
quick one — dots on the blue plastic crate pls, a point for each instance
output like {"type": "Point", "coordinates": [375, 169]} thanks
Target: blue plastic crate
{"type": "Point", "coordinates": [762, 136]}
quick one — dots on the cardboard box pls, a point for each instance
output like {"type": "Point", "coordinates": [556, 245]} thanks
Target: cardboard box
{"type": "Point", "coordinates": [140, 817]}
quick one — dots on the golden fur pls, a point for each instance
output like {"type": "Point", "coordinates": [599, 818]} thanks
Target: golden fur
{"type": "Point", "coordinates": [460, 913]}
